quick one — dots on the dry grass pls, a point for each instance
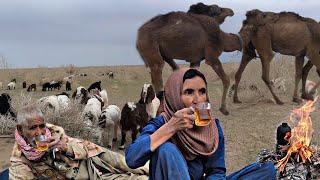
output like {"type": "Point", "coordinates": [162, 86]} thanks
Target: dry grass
{"type": "Point", "coordinates": [249, 127]}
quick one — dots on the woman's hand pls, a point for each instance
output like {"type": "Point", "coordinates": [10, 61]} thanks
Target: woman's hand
{"type": "Point", "coordinates": [182, 119]}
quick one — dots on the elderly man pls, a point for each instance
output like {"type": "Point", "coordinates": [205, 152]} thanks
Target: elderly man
{"type": "Point", "coordinates": [44, 151]}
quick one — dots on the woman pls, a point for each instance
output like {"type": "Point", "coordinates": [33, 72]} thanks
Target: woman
{"type": "Point", "coordinates": [176, 148]}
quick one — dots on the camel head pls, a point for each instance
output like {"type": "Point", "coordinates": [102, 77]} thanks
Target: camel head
{"type": "Point", "coordinates": [218, 13]}
{"type": "Point", "coordinates": [260, 18]}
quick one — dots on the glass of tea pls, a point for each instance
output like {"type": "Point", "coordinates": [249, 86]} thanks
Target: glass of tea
{"type": "Point", "coordinates": [202, 113]}
{"type": "Point", "coordinates": [41, 142]}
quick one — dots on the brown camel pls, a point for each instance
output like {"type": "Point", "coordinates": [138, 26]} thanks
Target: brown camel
{"type": "Point", "coordinates": [286, 33]}
{"type": "Point", "coordinates": [188, 36]}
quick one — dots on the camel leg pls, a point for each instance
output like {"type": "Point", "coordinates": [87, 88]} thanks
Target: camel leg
{"type": "Point", "coordinates": [244, 62]}
{"type": "Point", "coordinates": [266, 78]}
{"type": "Point", "coordinates": [305, 73]}
{"type": "Point", "coordinates": [315, 60]}
{"type": "Point", "coordinates": [171, 63]}
{"type": "Point", "coordinates": [217, 67]}
{"type": "Point", "coordinates": [156, 73]}
{"type": "Point", "coordinates": [298, 65]}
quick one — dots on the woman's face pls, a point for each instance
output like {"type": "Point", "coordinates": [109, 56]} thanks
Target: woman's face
{"type": "Point", "coordinates": [194, 91]}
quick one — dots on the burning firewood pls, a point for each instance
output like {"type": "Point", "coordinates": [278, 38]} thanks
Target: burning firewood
{"type": "Point", "coordinates": [295, 157]}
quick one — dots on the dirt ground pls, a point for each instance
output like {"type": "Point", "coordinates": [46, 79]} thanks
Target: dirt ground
{"type": "Point", "coordinates": [250, 127]}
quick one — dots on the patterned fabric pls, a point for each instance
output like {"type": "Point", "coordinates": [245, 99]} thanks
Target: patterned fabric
{"type": "Point", "coordinates": [83, 160]}
{"type": "Point", "coordinates": [191, 142]}
{"type": "Point", "coordinates": [30, 152]}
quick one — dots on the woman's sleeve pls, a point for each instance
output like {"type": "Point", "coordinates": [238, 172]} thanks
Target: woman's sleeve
{"type": "Point", "coordinates": [215, 167]}
{"type": "Point", "coordinates": [138, 153]}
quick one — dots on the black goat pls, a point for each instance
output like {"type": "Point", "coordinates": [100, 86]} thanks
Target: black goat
{"type": "Point", "coordinates": [132, 116]}
{"type": "Point", "coordinates": [32, 87]}
{"type": "Point", "coordinates": [95, 85]}
{"type": "Point", "coordinates": [68, 86]}
{"type": "Point", "coordinates": [56, 85]}
{"type": "Point", "coordinates": [137, 114]}
{"type": "Point", "coordinates": [24, 84]}
{"type": "Point", "coordinates": [5, 106]}
{"type": "Point", "coordinates": [46, 86]}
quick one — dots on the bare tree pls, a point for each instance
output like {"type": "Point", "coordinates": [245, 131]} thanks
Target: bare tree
{"type": "Point", "coordinates": [3, 62]}
{"type": "Point", "coordinates": [71, 69]}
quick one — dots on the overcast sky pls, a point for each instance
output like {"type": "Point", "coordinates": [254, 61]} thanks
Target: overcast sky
{"type": "Point", "coordinates": [103, 32]}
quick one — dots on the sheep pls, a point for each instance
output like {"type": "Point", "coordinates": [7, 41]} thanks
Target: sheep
{"type": "Point", "coordinates": [24, 85]}
{"type": "Point", "coordinates": [1, 85]}
{"type": "Point", "coordinates": [49, 103]}
{"type": "Point", "coordinates": [95, 85]}
{"type": "Point", "coordinates": [5, 106]}
{"type": "Point", "coordinates": [11, 85]}
{"type": "Point", "coordinates": [57, 103]}
{"type": "Point", "coordinates": [32, 87]}
{"type": "Point", "coordinates": [68, 86]}
{"type": "Point", "coordinates": [109, 122]}
{"type": "Point", "coordinates": [138, 114]}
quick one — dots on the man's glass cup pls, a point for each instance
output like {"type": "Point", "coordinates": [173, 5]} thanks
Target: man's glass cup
{"type": "Point", "coordinates": [41, 143]}
{"type": "Point", "coordinates": [202, 113]}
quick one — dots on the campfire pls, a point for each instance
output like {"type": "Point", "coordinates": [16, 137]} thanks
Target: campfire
{"type": "Point", "coordinates": [295, 157]}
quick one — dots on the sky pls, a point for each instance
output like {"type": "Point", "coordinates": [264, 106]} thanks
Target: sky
{"type": "Point", "coordinates": [54, 33]}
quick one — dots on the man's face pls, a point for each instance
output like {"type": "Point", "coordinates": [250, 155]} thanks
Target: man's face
{"type": "Point", "coordinates": [33, 128]}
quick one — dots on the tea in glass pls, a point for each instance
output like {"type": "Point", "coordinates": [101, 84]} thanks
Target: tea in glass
{"type": "Point", "coordinates": [203, 114]}
{"type": "Point", "coordinates": [42, 144]}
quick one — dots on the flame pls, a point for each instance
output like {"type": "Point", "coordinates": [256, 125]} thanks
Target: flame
{"type": "Point", "coordinates": [300, 135]}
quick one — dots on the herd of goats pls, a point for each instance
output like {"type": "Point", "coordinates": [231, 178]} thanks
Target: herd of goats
{"type": "Point", "coordinates": [193, 36]}
{"type": "Point", "coordinates": [98, 116]}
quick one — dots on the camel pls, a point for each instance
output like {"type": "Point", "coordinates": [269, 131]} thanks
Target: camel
{"type": "Point", "coordinates": [286, 33]}
{"type": "Point", "coordinates": [192, 37]}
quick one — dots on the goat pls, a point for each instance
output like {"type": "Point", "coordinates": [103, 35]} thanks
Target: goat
{"type": "Point", "coordinates": [82, 95]}
{"type": "Point", "coordinates": [109, 122]}
{"type": "Point", "coordinates": [138, 114]}
{"type": "Point", "coordinates": [55, 85]}
{"type": "Point", "coordinates": [95, 85]}
{"type": "Point", "coordinates": [68, 86]}
{"type": "Point", "coordinates": [32, 87]}
{"type": "Point", "coordinates": [310, 85]}
{"type": "Point", "coordinates": [92, 111]}
{"type": "Point", "coordinates": [24, 85]}
{"type": "Point", "coordinates": [110, 75]}
{"type": "Point", "coordinates": [1, 85]}
{"type": "Point", "coordinates": [46, 86]}
{"type": "Point", "coordinates": [11, 85]}
{"type": "Point", "coordinates": [5, 106]}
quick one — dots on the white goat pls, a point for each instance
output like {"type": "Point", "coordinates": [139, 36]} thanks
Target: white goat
{"type": "Point", "coordinates": [11, 85]}
{"type": "Point", "coordinates": [92, 111]}
{"type": "Point", "coordinates": [109, 122]}
{"type": "Point", "coordinates": [64, 102]}
{"type": "Point", "coordinates": [309, 88]}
